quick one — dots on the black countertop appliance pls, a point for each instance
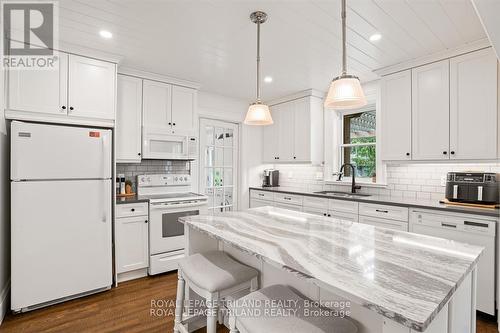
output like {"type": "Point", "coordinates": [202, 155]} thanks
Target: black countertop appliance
{"type": "Point", "coordinates": [473, 187]}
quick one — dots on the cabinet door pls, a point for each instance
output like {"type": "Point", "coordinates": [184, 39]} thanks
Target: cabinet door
{"type": "Point", "coordinates": [430, 111]}
{"type": "Point", "coordinates": [254, 203]}
{"type": "Point", "coordinates": [270, 137]}
{"type": "Point", "coordinates": [473, 106]}
{"type": "Point", "coordinates": [128, 119]}
{"type": "Point", "coordinates": [131, 243]}
{"type": "Point", "coordinates": [286, 132]}
{"type": "Point", "coordinates": [39, 91]}
{"type": "Point", "coordinates": [183, 108]}
{"type": "Point", "coordinates": [157, 111]}
{"type": "Point", "coordinates": [91, 88]}
{"type": "Point", "coordinates": [396, 116]}
{"type": "Point", "coordinates": [302, 130]}
{"type": "Point", "coordinates": [289, 207]}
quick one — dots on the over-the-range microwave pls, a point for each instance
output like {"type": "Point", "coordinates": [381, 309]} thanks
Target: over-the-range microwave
{"type": "Point", "coordinates": [164, 144]}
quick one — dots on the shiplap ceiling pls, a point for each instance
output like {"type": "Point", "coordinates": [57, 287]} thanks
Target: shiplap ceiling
{"type": "Point", "coordinates": [213, 41]}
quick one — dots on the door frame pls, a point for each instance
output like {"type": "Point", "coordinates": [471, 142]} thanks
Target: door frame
{"type": "Point", "coordinates": [236, 157]}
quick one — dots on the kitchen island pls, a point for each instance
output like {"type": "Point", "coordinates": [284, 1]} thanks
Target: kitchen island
{"type": "Point", "coordinates": [394, 281]}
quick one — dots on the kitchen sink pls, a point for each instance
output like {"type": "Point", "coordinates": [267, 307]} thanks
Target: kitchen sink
{"type": "Point", "coordinates": [342, 194]}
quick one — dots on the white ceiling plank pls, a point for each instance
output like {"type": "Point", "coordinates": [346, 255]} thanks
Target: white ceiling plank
{"type": "Point", "coordinates": [459, 12]}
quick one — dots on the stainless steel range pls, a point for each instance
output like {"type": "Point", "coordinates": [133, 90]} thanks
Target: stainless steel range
{"type": "Point", "coordinates": [169, 198]}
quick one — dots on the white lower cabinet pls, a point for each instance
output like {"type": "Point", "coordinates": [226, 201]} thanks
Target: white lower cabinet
{"type": "Point", "coordinates": [470, 229]}
{"type": "Point", "coordinates": [384, 223]}
{"type": "Point", "coordinates": [296, 208]}
{"type": "Point", "coordinates": [254, 203]}
{"type": "Point", "coordinates": [131, 240]}
{"type": "Point", "coordinates": [343, 216]}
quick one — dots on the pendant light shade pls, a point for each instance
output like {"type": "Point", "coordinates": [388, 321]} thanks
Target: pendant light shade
{"type": "Point", "coordinates": [345, 90]}
{"type": "Point", "coordinates": [258, 113]}
{"type": "Point", "coordinates": [345, 93]}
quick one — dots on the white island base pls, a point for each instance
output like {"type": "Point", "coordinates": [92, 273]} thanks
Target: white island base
{"type": "Point", "coordinates": [457, 316]}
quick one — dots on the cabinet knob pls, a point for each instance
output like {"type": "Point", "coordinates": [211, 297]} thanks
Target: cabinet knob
{"type": "Point", "coordinates": [324, 214]}
{"type": "Point", "coordinates": [277, 158]}
{"type": "Point", "coordinates": [329, 215]}
{"type": "Point", "coordinates": [146, 221]}
{"type": "Point", "coordinates": [407, 154]}
{"type": "Point", "coordinates": [139, 154]}
{"type": "Point", "coordinates": [63, 107]}
{"type": "Point", "coordinates": [173, 124]}
{"type": "Point", "coordinates": [445, 153]}
{"type": "Point", "coordinates": [452, 152]}
{"type": "Point", "coordinates": [295, 157]}
{"type": "Point", "coordinates": [71, 108]}
{"type": "Point", "coordinates": [132, 209]}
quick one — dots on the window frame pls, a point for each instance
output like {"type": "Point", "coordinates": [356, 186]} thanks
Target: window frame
{"type": "Point", "coordinates": [341, 145]}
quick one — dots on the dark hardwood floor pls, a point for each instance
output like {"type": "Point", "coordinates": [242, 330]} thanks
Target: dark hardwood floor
{"type": "Point", "coordinates": [123, 309]}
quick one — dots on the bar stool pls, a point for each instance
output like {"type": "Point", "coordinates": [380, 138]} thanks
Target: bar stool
{"type": "Point", "coordinates": [243, 320]}
{"type": "Point", "coordinates": [212, 275]}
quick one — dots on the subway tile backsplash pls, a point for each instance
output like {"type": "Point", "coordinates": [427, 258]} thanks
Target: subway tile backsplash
{"type": "Point", "coordinates": [148, 167]}
{"type": "Point", "coordinates": [422, 181]}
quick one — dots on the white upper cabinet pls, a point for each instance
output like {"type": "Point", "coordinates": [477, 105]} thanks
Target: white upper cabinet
{"type": "Point", "coordinates": [270, 137]}
{"type": "Point", "coordinates": [128, 119]}
{"type": "Point", "coordinates": [183, 108]}
{"type": "Point", "coordinates": [396, 116]}
{"type": "Point", "coordinates": [473, 106]}
{"type": "Point", "coordinates": [39, 91]}
{"type": "Point", "coordinates": [286, 132]}
{"type": "Point", "coordinates": [430, 111]}
{"type": "Point", "coordinates": [297, 132]}
{"type": "Point", "coordinates": [80, 91]}
{"type": "Point", "coordinates": [92, 88]}
{"type": "Point", "coordinates": [157, 110]}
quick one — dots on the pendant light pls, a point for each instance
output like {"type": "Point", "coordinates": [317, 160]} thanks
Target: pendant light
{"type": "Point", "coordinates": [258, 113]}
{"type": "Point", "coordinates": [345, 90]}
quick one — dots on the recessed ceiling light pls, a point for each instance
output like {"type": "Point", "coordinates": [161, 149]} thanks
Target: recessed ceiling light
{"type": "Point", "coordinates": [105, 34]}
{"type": "Point", "coordinates": [375, 37]}
{"type": "Point", "coordinates": [268, 79]}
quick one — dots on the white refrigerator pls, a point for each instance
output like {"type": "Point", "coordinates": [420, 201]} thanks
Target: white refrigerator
{"type": "Point", "coordinates": [61, 201]}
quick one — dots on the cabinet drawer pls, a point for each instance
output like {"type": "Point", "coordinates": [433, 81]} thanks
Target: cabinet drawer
{"type": "Point", "coordinates": [254, 203]}
{"type": "Point", "coordinates": [262, 195]}
{"type": "Point", "coordinates": [384, 223]}
{"type": "Point", "coordinates": [313, 202]}
{"type": "Point", "coordinates": [343, 206]}
{"type": "Point", "coordinates": [384, 211]}
{"type": "Point", "coordinates": [288, 198]}
{"type": "Point", "coordinates": [128, 210]}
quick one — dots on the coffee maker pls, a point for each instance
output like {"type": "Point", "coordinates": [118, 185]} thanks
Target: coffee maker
{"type": "Point", "coordinates": [271, 178]}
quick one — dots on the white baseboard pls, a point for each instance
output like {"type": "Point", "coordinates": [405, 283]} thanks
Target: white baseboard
{"type": "Point", "coordinates": [4, 300]}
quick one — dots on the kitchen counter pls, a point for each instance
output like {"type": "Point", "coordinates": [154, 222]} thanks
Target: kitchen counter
{"type": "Point", "coordinates": [395, 201]}
{"type": "Point", "coordinates": [130, 200]}
{"type": "Point", "coordinates": [405, 277]}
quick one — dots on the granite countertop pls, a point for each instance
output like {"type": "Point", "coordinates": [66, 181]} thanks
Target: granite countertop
{"type": "Point", "coordinates": [130, 200]}
{"type": "Point", "coordinates": [403, 276]}
{"type": "Point", "coordinates": [396, 201]}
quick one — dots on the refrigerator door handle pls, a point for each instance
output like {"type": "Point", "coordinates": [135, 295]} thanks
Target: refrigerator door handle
{"type": "Point", "coordinates": [104, 200]}
{"type": "Point", "coordinates": [105, 148]}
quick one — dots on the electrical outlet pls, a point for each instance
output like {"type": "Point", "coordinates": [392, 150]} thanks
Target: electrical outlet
{"type": "Point", "coordinates": [443, 180]}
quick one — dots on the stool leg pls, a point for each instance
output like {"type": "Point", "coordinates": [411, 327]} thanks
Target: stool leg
{"type": "Point", "coordinates": [179, 304]}
{"type": "Point", "coordinates": [212, 308]}
{"type": "Point", "coordinates": [232, 324]}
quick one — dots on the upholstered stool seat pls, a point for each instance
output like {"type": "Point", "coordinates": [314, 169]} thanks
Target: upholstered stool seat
{"type": "Point", "coordinates": [212, 275]}
{"type": "Point", "coordinates": [215, 271]}
{"type": "Point", "coordinates": [281, 310]}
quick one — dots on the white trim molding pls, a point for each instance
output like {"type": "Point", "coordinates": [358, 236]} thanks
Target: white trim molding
{"type": "Point", "coordinates": [300, 94]}
{"type": "Point", "coordinates": [467, 48]}
{"type": "Point", "coordinates": [4, 301]}
{"type": "Point", "coordinates": [157, 77]}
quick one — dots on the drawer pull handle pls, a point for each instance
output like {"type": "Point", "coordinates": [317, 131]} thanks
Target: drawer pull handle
{"type": "Point", "coordinates": [132, 209]}
{"type": "Point", "coordinates": [382, 211]}
{"type": "Point", "coordinates": [476, 224]}
{"type": "Point", "coordinates": [261, 195]}
{"type": "Point", "coordinates": [287, 198]}
{"type": "Point", "coordinates": [448, 225]}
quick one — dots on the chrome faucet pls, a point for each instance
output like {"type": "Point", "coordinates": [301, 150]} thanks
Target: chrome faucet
{"type": "Point", "coordinates": [354, 187]}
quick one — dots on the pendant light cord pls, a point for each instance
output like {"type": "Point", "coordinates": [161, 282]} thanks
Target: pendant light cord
{"type": "Point", "coordinates": [344, 51]}
{"type": "Point", "coordinates": [258, 61]}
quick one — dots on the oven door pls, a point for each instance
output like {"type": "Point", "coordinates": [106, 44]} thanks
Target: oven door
{"type": "Point", "coordinates": [166, 233]}
{"type": "Point", "coordinates": [158, 145]}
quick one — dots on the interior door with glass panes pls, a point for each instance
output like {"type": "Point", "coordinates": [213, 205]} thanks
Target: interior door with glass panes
{"type": "Point", "coordinates": [219, 164]}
